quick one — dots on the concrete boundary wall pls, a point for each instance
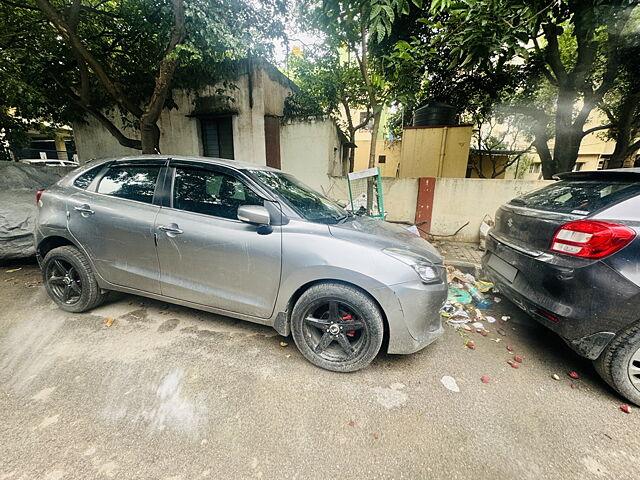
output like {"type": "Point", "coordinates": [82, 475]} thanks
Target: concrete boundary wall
{"type": "Point", "coordinates": [458, 200]}
{"type": "Point", "coordinates": [441, 205]}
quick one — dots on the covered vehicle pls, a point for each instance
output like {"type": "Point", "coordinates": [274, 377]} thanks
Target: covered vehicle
{"type": "Point", "coordinates": [569, 255]}
{"type": "Point", "coordinates": [245, 241]}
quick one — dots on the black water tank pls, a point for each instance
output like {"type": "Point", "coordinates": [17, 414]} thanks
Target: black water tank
{"type": "Point", "coordinates": [434, 114]}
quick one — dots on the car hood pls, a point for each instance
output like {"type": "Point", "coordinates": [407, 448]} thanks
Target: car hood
{"type": "Point", "coordinates": [381, 234]}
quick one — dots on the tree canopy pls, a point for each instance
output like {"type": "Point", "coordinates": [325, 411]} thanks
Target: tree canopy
{"type": "Point", "coordinates": [86, 57]}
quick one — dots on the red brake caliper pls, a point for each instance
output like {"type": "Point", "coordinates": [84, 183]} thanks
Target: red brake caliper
{"type": "Point", "coordinates": [348, 316]}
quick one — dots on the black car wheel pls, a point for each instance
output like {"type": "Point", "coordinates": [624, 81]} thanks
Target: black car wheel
{"type": "Point", "coordinates": [619, 364]}
{"type": "Point", "coordinates": [69, 280]}
{"type": "Point", "coordinates": [337, 327]}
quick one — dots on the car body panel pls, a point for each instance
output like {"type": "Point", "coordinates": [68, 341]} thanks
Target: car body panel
{"type": "Point", "coordinates": [591, 299]}
{"type": "Point", "coordinates": [308, 253]}
{"type": "Point", "coordinates": [219, 262]}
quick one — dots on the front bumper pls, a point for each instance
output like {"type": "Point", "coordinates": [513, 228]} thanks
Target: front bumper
{"type": "Point", "coordinates": [586, 303]}
{"type": "Point", "coordinates": [417, 321]}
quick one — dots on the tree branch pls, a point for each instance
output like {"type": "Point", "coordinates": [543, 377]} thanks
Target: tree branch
{"type": "Point", "coordinates": [76, 44]}
{"type": "Point", "coordinates": [596, 129]}
{"type": "Point", "coordinates": [168, 66]}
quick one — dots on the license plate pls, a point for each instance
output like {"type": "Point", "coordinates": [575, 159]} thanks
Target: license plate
{"type": "Point", "coordinates": [509, 272]}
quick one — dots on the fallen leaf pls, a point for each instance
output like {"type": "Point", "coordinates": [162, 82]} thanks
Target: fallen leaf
{"type": "Point", "coordinates": [375, 436]}
{"type": "Point", "coordinates": [283, 344]}
{"type": "Point", "coordinates": [625, 408]}
{"type": "Point", "coordinates": [575, 375]}
{"type": "Point", "coordinates": [555, 376]}
{"type": "Point", "coordinates": [485, 379]}
{"type": "Point", "coordinates": [470, 345]}
{"type": "Point", "coordinates": [11, 270]}
{"type": "Point", "coordinates": [352, 423]}
{"type": "Point", "coordinates": [109, 321]}
{"type": "Point", "coordinates": [288, 355]}
{"type": "Point", "coordinates": [501, 332]}
{"type": "Point", "coordinates": [517, 358]}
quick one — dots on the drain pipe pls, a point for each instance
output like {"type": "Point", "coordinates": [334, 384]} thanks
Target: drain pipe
{"type": "Point", "coordinates": [443, 146]}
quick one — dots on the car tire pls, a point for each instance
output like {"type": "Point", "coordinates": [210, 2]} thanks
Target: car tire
{"type": "Point", "coordinates": [69, 280]}
{"type": "Point", "coordinates": [614, 363]}
{"type": "Point", "coordinates": [337, 327]}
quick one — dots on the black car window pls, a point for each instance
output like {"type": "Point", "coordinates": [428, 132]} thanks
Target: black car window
{"type": "Point", "coordinates": [131, 182]}
{"type": "Point", "coordinates": [84, 180]}
{"type": "Point", "coordinates": [212, 193]}
{"type": "Point", "coordinates": [578, 197]}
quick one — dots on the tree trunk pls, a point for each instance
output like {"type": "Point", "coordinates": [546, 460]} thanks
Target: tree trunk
{"type": "Point", "coordinates": [623, 134]}
{"type": "Point", "coordinates": [567, 138]}
{"type": "Point", "coordinates": [352, 150]}
{"type": "Point", "coordinates": [372, 154]}
{"type": "Point", "coordinates": [150, 137]}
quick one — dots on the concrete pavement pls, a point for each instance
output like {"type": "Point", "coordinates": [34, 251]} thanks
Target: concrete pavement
{"type": "Point", "coordinates": [172, 393]}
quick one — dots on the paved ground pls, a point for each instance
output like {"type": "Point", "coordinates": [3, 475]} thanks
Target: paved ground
{"type": "Point", "coordinates": [172, 393]}
{"type": "Point", "coordinates": [460, 253]}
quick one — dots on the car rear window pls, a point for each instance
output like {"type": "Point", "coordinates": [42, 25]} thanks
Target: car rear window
{"type": "Point", "coordinates": [578, 197]}
{"type": "Point", "coordinates": [84, 180]}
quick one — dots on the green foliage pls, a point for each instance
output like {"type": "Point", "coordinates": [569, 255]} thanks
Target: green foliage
{"type": "Point", "coordinates": [128, 39]}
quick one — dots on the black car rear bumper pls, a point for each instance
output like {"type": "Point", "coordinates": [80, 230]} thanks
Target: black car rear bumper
{"type": "Point", "coordinates": [586, 302]}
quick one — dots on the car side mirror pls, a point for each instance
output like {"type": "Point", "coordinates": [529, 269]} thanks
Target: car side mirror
{"type": "Point", "coordinates": [254, 214]}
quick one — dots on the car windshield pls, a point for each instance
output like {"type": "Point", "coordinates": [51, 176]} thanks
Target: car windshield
{"type": "Point", "coordinates": [306, 202]}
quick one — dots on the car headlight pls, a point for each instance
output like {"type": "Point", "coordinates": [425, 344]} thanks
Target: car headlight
{"type": "Point", "coordinates": [425, 269]}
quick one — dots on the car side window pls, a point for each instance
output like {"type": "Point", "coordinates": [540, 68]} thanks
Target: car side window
{"type": "Point", "coordinates": [130, 182]}
{"type": "Point", "coordinates": [211, 193]}
{"type": "Point", "coordinates": [84, 180]}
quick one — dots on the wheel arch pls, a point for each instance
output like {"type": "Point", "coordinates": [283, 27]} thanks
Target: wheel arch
{"type": "Point", "coordinates": [286, 328]}
{"type": "Point", "coordinates": [54, 241]}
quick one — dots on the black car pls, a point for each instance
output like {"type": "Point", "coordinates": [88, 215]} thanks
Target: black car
{"type": "Point", "coordinates": [569, 255]}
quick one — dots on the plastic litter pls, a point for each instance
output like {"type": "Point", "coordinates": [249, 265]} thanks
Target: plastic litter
{"type": "Point", "coordinates": [414, 229]}
{"type": "Point", "coordinates": [490, 319]}
{"type": "Point", "coordinates": [555, 376]}
{"type": "Point", "coordinates": [450, 383]}
{"type": "Point", "coordinates": [478, 325]}
{"type": "Point", "coordinates": [483, 287]}
{"type": "Point", "coordinates": [458, 295]}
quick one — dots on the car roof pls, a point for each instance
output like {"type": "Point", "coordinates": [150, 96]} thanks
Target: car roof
{"type": "Point", "coordinates": [208, 160]}
{"type": "Point", "coordinates": [632, 174]}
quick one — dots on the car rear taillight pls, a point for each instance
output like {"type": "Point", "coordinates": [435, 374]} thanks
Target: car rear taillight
{"type": "Point", "coordinates": [38, 195]}
{"type": "Point", "coordinates": [591, 238]}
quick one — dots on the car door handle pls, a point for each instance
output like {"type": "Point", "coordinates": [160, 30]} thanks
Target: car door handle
{"type": "Point", "coordinates": [173, 228]}
{"type": "Point", "coordinates": [85, 209]}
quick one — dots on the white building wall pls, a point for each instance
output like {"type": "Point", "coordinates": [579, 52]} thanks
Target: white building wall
{"type": "Point", "coordinates": [180, 133]}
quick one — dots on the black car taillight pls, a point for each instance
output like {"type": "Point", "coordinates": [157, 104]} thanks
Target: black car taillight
{"type": "Point", "coordinates": [591, 238]}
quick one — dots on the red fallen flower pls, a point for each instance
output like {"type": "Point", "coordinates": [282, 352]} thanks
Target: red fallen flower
{"type": "Point", "coordinates": [484, 333]}
{"type": "Point", "coordinates": [510, 348]}
{"type": "Point", "coordinates": [575, 375]}
{"type": "Point", "coordinates": [513, 364]}
{"type": "Point", "coordinates": [625, 408]}
{"type": "Point", "coordinates": [485, 379]}
{"type": "Point", "coordinates": [471, 345]}
{"type": "Point", "coordinates": [573, 385]}
{"type": "Point", "coordinates": [517, 358]}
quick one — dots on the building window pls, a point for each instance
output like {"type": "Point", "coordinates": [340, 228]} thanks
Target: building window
{"type": "Point", "coordinates": [217, 137]}
{"type": "Point", "coordinates": [382, 159]}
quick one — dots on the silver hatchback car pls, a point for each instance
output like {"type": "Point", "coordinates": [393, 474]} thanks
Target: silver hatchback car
{"type": "Point", "coordinates": [244, 241]}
